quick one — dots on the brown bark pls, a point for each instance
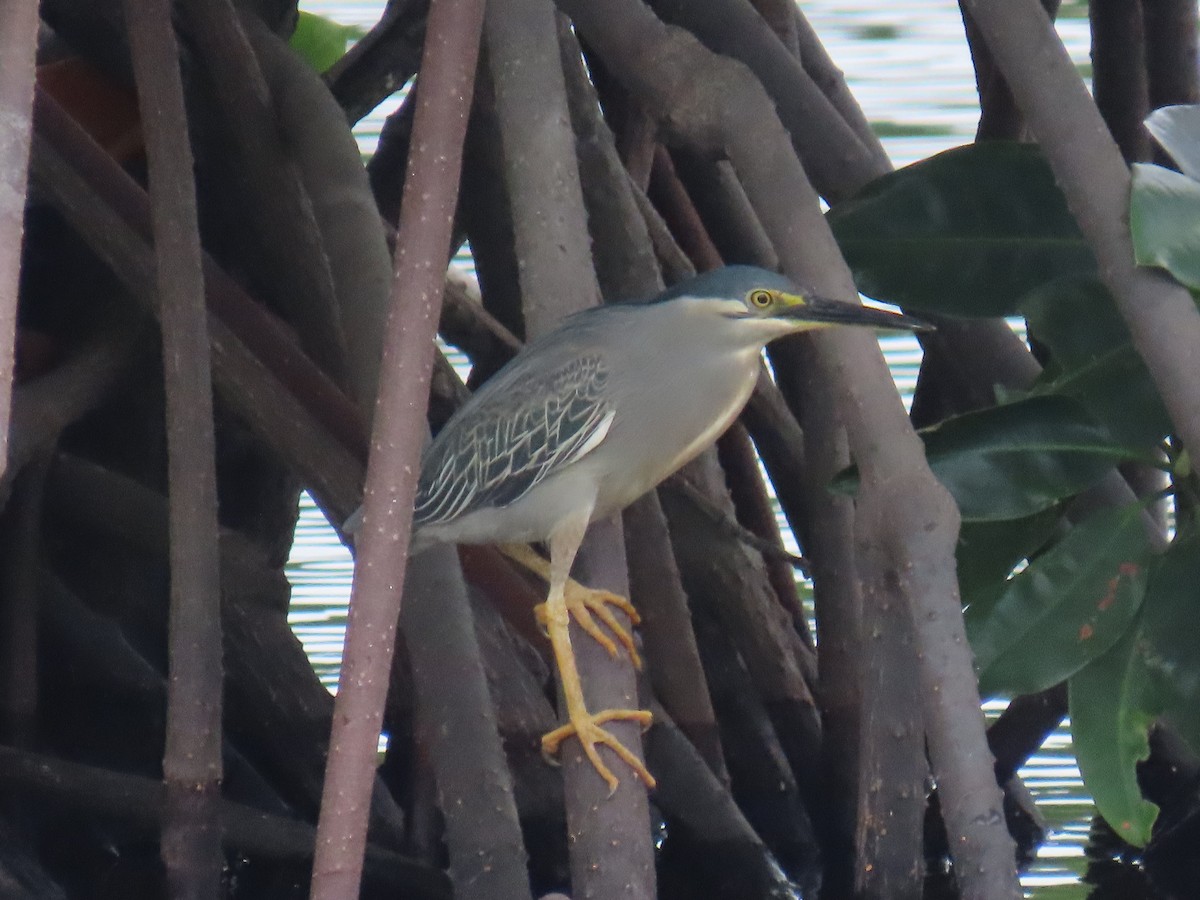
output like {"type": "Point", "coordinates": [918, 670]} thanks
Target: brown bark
{"type": "Point", "coordinates": [192, 767]}
{"type": "Point", "coordinates": [423, 235]}
{"type": "Point", "coordinates": [610, 841]}
{"type": "Point", "coordinates": [1119, 81]}
{"type": "Point", "coordinates": [1171, 46]}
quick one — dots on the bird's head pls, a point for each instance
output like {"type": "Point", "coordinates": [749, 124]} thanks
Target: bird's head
{"type": "Point", "coordinates": [758, 306]}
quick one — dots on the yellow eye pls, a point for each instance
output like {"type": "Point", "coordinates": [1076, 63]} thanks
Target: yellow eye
{"type": "Point", "coordinates": [761, 299]}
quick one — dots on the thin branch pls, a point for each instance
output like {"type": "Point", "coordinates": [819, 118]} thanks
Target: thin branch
{"type": "Point", "coordinates": [18, 41]}
{"type": "Point", "coordinates": [426, 218]}
{"type": "Point", "coordinates": [191, 841]}
{"type": "Point", "coordinates": [671, 199]}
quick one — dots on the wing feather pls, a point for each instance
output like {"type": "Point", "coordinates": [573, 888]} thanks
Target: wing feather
{"type": "Point", "coordinates": [514, 439]}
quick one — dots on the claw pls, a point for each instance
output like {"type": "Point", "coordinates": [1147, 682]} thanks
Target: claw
{"type": "Point", "coordinates": [587, 605]}
{"type": "Point", "coordinates": [590, 733]}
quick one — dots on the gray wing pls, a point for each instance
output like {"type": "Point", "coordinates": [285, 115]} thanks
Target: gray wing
{"type": "Point", "coordinates": [513, 439]}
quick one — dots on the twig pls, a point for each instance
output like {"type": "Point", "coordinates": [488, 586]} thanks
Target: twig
{"type": "Point", "coordinates": [752, 508]}
{"type": "Point", "coordinates": [673, 203]}
{"type": "Point", "coordinates": [427, 214]}
{"type": "Point", "coordinates": [192, 770]}
{"type": "Point", "coordinates": [18, 41]}
{"type": "Point", "coordinates": [675, 264]}
{"type": "Point", "coordinates": [725, 523]}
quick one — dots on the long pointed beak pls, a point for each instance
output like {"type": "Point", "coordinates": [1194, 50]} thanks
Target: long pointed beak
{"type": "Point", "coordinates": [833, 312]}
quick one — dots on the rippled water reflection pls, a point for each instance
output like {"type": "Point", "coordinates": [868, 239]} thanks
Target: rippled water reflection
{"type": "Point", "coordinates": [908, 65]}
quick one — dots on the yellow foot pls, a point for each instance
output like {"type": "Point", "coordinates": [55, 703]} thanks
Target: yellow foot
{"type": "Point", "coordinates": [589, 604]}
{"type": "Point", "coordinates": [587, 728]}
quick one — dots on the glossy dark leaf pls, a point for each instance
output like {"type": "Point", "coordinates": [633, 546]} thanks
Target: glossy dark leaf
{"type": "Point", "coordinates": [987, 552]}
{"type": "Point", "coordinates": [1109, 727]}
{"type": "Point", "coordinates": [1068, 606]}
{"type": "Point", "coordinates": [966, 232]}
{"type": "Point", "coordinates": [1153, 671]}
{"type": "Point", "coordinates": [1018, 459]}
{"type": "Point", "coordinates": [1169, 649]}
{"type": "Point", "coordinates": [1093, 360]}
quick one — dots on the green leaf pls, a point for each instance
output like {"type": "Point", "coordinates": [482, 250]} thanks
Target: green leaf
{"type": "Point", "coordinates": [1168, 647]}
{"type": "Point", "coordinates": [1067, 607]}
{"type": "Point", "coordinates": [1109, 727]}
{"type": "Point", "coordinates": [987, 552]}
{"type": "Point", "coordinates": [1092, 359]}
{"type": "Point", "coordinates": [1164, 215]}
{"type": "Point", "coordinates": [1153, 671]}
{"type": "Point", "coordinates": [1177, 130]}
{"type": "Point", "coordinates": [321, 41]}
{"type": "Point", "coordinates": [966, 232]}
{"type": "Point", "coordinates": [1015, 460]}
{"type": "Point", "coordinates": [1076, 318]}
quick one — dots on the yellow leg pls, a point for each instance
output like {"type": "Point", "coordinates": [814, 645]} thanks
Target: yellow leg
{"type": "Point", "coordinates": [555, 614]}
{"type": "Point", "coordinates": [581, 723]}
{"type": "Point", "coordinates": [585, 604]}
